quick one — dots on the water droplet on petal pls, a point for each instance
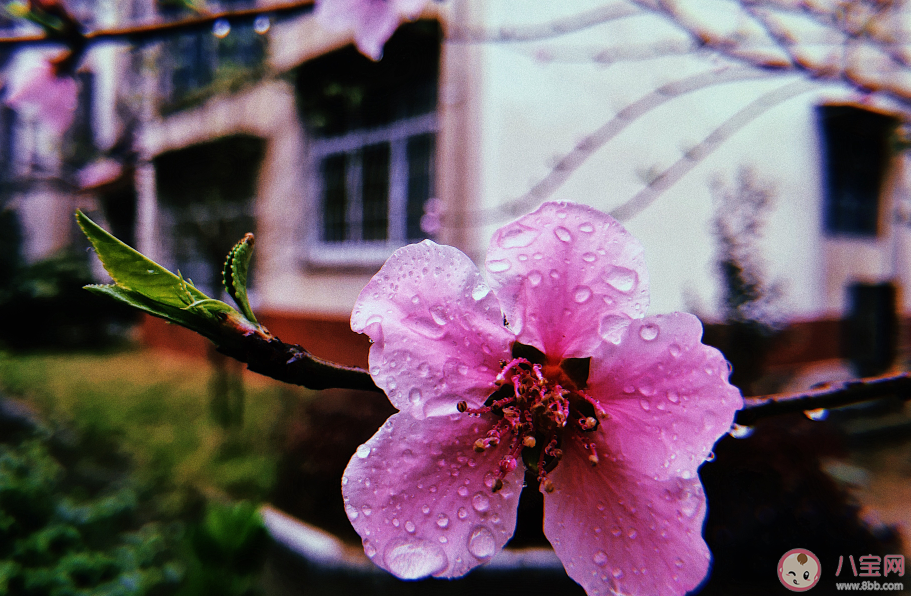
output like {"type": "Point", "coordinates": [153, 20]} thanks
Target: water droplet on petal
{"type": "Point", "coordinates": [480, 502]}
{"type": "Point", "coordinates": [367, 510]}
{"type": "Point", "coordinates": [498, 266]}
{"type": "Point", "coordinates": [442, 520]}
{"type": "Point", "coordinates": [817, 414]}
{"type": "Point", "coordinates": [589, 257]}
{"type": "Point", "coordinates": [675, 350]}
{"type": "Point", "coordinates": [480, 291]}
{"type": "Point", "coordinates": [396, 522]}
{"type": "Point", "coordinates": [617, 573]}
{"type": "Point", "coordinates": [363, 451]}
{"type": "Point", "coordinates": [410, 527]}
{"type": "Point", "coordinates": [644, 404]}
{"type": "Point", "coordinates": [740, 432]}
{"type": "Point", "coordinates": [611, 328]}
{"type": "Point", "coordinates": [463, 491]}
{"type": "Point", "coordinates": [673, 397]}
{"type": "Point", "coordinates": [600, 558]}
{"type": "Point", "coordinates": [518, 236]}
{"type": "Point", "coordinates": [351, 511]}
{"type": "Point", "coordinates": [678, 562]}
{"type": "Point", "coordinates": [481, 543]}
{"type": "Point", "coordinates": [616, 531]}
{"type": "Point", "coordinates": [621, 278]}
{"type": "Point", "coordinates": [463, 513]}
{"type": "Point", "coordinates": [586, 227]}
{"type": "Point", "coordinates": [425, 509]}
{"type": "Point", "coordinates": [535, 277]}
{"type": "Point", "coordinates": [648, 332]}
{"type": "Point", "coordinates": [414, 395]}
{"type": "Point", "coordinates": [563, 234]}
{"type": "Point", "coordinates": [632, 534]}
{"type": "Point", "coordinates": [408, 558]}
{"type": "Point", "coordinates": [370, 550]}
{"type": "Point", "coordinates": [581, 294]}
{"type": "Point", "coordinates": [438, 313]}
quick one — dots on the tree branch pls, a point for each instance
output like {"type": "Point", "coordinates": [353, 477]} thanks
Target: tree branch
{"type": "Point", "coordinates": [830, 396]}
{"type": "Point", "coordinates": [141, 34]}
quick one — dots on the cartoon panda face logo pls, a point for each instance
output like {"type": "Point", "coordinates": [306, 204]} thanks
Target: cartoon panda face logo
{"type": "Point", "coordinates": [798, 570]}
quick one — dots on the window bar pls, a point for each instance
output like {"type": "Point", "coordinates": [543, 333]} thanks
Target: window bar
{"type": "Point", "coordinates": [398, 190]}
{"type": "Point", "coordinates": [355, 213]}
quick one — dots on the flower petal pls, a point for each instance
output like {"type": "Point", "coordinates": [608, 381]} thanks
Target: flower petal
{"type": "Point", "coordinates": [625, 533]}
{"type": "Point", "coordinates": [437, 330]}
{"type": "Point", "coordinates": [667, 395]}
{"type": "Point", "coordinates": [421, 498]}
{"type": "Point", "coordinates": [562, 269]}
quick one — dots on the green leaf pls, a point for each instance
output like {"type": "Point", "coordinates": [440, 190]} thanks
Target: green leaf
{"type": "Point", "coordinates": [235, 274]}
{"type": "Point", "coordinates": [133, 271]}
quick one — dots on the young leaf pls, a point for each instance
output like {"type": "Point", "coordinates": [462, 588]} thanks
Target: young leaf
{"type": "Point", "coordinates": [132, 270]}
{"type": "Point", "coordinates": [235, 274]}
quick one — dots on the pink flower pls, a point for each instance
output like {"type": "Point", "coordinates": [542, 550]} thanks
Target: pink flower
{"type": "Point", "coordinates": [614, 412]}
{"type": "Point", "coordinates": [373, 21]}
{"type": "Point", "coordinates": [35, 85]}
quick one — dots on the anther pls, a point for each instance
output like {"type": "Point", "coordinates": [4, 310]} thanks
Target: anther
{"type": "Point", "coordinates": [480, 445]}
{"type": "Point", "coordinates": [462, 406]}
{"type": "Point", "coordinates": [497, 485]}
{"type": "Point", "coordinates": [593, 459]}
{"type": "Point", "coordinates": [529, 441]}
{"type": "Point", "coordinates": [547, 485]}
{"type": "Point", "coordinates": [589, 423]}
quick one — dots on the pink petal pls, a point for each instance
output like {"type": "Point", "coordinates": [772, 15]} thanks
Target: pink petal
{"type": "Point", "coordinates": [625, 533]}
{"type": "Point", "coordinates": [666, 393]}
{"type": "Point", "coordinates": [562, 269]}
{"type": "Point", "coordinates": [421, 498]}
{"type": "Point", "coordinates": [373, 21]}
{"type": "Point", "coordinates": [54, 97]}
{"type": "Point", "coordinates": [437, 330]}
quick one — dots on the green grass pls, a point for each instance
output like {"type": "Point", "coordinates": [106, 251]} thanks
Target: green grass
{"type": "Point", "coordinates": [156, 406]}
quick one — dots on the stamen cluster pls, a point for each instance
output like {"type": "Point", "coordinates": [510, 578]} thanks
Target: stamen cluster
{"type": "Point", "coordinates": [537, 411]}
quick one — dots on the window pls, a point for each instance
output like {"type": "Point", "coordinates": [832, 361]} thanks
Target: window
{"type": "Point", "coordinates": [856, 156]}
{"type": "Point", "coordinates": [372, 158]}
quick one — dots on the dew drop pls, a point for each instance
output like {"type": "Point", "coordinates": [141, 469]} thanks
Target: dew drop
{"type": "Point", "coordinates": [616, 531]}
{"type": "Point", "coordinates": [563, 234]}
{"type": "Point", "coordinates": [442, 520]}
{"type": "Point", "coordinates": [463, 491]}
{"type": "Point", "coordinates": [600, 558]}
{"type": "Point", "coordinates": [817, 414]}
{"type": "Point", "coordinates": [617, 573]}
{"type": "Point", "coordinates": [678, 562]}
{"type": "Point", "coordinates": [673, 397]}
{"type": "Point", "coordinates": [498, 266]}
{"type": "Point", "coordinates": [414, 395]}
{"type": "Point", "coordinates": [351, 511]}
{"type": "Point", "coordinates": [554, 274]}
{"type": "Point", "coordinates": [480, 291]}
{"type": "Point", "coordinates": [586, 227]}
{"type": "Point", "coordinates": [221, 28]}
{"type": "Point", "coordinates": [410, 527]}
{"type": "Point", "coordinates": [463, 369]}
{"type": "Point", "coordinates": [611, 328]}
{"type": "Point", "coordinates": [632, 534]}
{"type": "Point", "coordinates": [462, 513]}
{"type": "Point", "coordinates": [438, 313]}
{"type": "Point", "coordinates": [648, 332]}
{"type": "Point", "coordinates": [535, 277]}
{"type": "Point", "coordinates": [644, 404]}
{"type": "Point", "coordinates": [589, 257]}
{"type": "Point", "coordinates": [675, 350]}
{"type": "Point", "coordinates": [582, 294]}
{"type": "Point", "coordinates": [480, 502]}
{"type": "Point", "coordinates": [740, 432]}
{"type": "Point", "coordinates": [366, 510]}
{"type": "Point", "coordinates": [396, 522]}
{"type": "Point", "coordinates": [363, 451]}
{"type": "Point", "coordinates": [621, 278]}
{"type": "Point", "coordinates": [518, 237]}
{"type": "Point", "coordinates": [262, 24]}
{"type": "Point", "coordinates": [425, 509]}
{"type": "Point", "coordinates": [408, 558]}
{"type": "Point", "coordinates": [481, 543]}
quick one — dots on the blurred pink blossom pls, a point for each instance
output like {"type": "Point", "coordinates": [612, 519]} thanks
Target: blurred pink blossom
{"type": "Point", "coordinates": [613, 412]}
{"type": "Point", "coordinates": [373, 21]}
{"type": "Point", "coordinates": [99, 173]}
{"type": "Point", "coordinates": [432, 220]}
{"type": "Point", "coordinates": [34, 84]}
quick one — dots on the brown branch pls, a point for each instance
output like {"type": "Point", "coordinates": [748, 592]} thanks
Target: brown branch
{"type": "Point", "coordinates": [830, 396]}
{"type": "Point", "coordinates": [139, 34]}
{"type": "Point", "coordinates": [290, 363]}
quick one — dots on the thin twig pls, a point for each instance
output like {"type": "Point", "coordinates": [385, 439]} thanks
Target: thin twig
{"type": "Point", "coordinates": [830, 396]}
{"type": "Point", "coordinates": [139, 34]}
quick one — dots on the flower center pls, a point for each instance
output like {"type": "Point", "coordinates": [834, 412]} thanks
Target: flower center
{"type": "Point", "coordinates": [539, 405]}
